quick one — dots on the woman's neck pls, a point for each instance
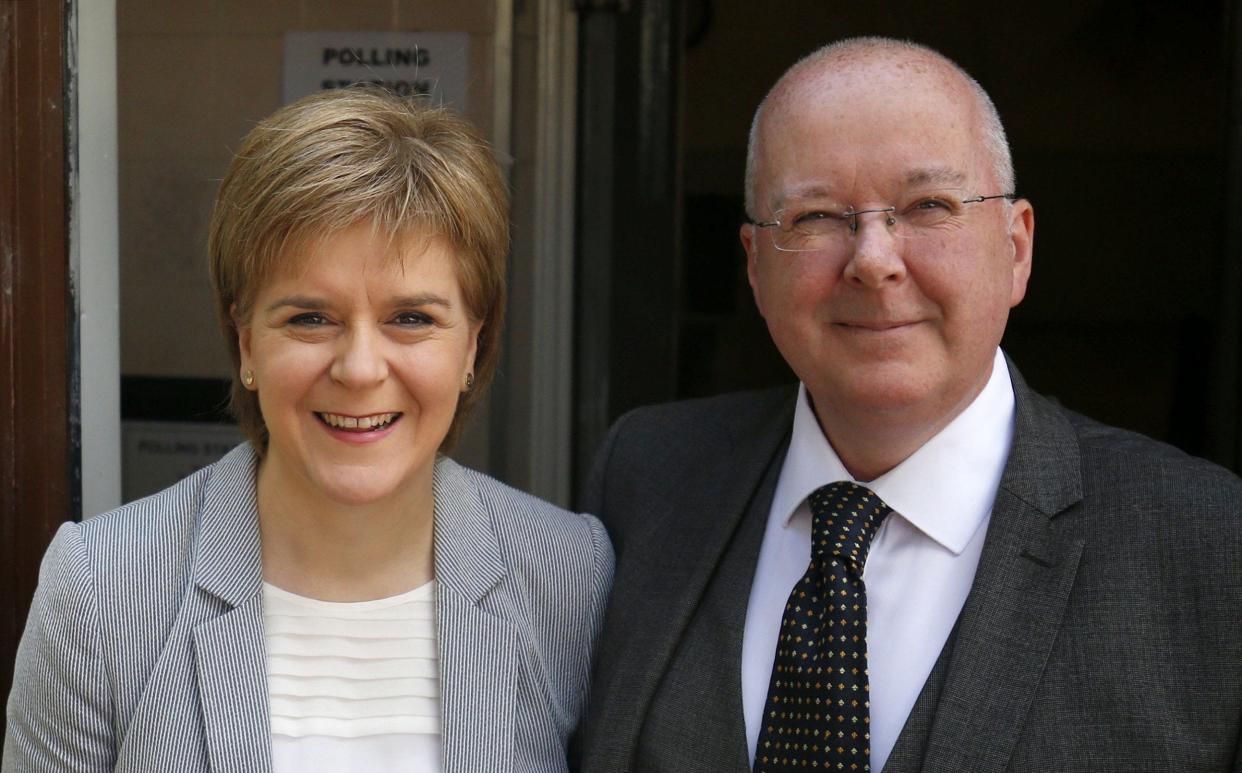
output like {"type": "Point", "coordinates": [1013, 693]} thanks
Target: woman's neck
{"type": "Point", "coordinates": [322, 549]}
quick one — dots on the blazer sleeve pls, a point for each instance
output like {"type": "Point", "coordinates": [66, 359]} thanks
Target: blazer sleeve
{"type": "Point", "coordinates": [601, 579]}
{"type": "Point", "coordinates": [59, 712]}
{"type": "Point", "coordinates": [602, 566]}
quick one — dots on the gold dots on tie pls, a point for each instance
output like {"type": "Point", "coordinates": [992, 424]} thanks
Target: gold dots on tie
{"type": "Point", "coordinates": [825, 621]}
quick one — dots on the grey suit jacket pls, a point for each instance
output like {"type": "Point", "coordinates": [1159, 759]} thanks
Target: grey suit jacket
{"type": "Point", "coordinates": [144, 648]}
{"type": "Point", "coordinates": [1103, 631]}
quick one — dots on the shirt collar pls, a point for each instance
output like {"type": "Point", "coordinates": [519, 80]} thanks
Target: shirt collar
{"type": "Point", "coordinates": [945, 489]}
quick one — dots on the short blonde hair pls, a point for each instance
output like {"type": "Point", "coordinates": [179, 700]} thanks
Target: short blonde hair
{"type": "Point", "coordinates": [337, 158]}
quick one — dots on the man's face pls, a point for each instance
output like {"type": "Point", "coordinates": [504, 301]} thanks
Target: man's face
{"type": "Point", "coordinates": [885, 325]}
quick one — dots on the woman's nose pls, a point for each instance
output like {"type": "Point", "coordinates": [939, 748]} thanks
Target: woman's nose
{"type": "Point", "coordinates": [360, 362]}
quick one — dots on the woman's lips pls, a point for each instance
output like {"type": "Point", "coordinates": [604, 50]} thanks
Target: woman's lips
{"type": "Point", "coordinates": [357, 423]}
{"type": "Point", "coordinates": [358, 429]}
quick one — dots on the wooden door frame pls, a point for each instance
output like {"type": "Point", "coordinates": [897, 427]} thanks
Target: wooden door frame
{"type": "Point", "coordinates": [629, 213]}
{"type": "Point", "coordinates": [37, 469]}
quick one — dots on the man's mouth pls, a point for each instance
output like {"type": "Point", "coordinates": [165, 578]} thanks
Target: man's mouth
{"type": "Point", "coordinates": [370, 423]}
{"type": "Point", "coordinates": [878, 326]}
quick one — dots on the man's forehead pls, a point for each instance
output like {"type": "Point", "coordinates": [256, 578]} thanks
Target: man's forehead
{"type": "Point", "coordinates": [915, 178]}
{"type": "Point", "coordinates": [841, 86]}
{"type": "Point", "coordinates": [910, 133]}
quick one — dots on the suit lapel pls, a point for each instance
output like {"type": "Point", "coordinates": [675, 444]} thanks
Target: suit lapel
{"type": "Point", "coordinates": [1013, 614]}
{"type": "Point", "coordinates": [229, 647]}
{"type": "Point", "coordinates": [232, 683]}
{"type": "Point", "coordinates": [669, 568]}
{"type": "Point", "coordinates": [478, 643]}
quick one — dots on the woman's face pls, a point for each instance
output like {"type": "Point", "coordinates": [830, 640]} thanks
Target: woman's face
{"type": "Point", "coordinates": [359, 358]}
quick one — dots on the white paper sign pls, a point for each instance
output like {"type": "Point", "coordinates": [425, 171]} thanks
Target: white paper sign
{"type": "Point", "coordinates": [406, 63]}
{"type": "Point", "coordinates": [157, 454]}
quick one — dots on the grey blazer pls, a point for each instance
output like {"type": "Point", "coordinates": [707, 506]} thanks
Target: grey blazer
{"type": "Point", "coordinates": [144, 646]}
{"type": "Point", "coordinates": [1103, 631]}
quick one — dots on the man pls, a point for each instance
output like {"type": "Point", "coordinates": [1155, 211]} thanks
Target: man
{"type": "Point", "coordinates": [996, 583]}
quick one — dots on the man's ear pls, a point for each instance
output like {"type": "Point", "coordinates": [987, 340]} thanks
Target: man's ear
{"type": "Point", "coordinates": [750, 242]}
{"type": "Point", "coordinates": [1022, 241]}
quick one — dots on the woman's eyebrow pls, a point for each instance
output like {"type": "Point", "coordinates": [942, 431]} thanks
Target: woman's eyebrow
{"type": "Point", "coordinates": [311, 303]}
{"type": "Point", "coordinates": [421, 299]}
{"type": "Point", "coordinates": [299, 302]}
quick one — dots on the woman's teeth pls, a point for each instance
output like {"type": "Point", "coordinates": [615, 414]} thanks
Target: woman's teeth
{"type": "Point", "coordinates": [361, 423]}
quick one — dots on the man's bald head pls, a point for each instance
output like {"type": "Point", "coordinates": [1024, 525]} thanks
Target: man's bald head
{"type": "Point", "coordinates": [860, 57]}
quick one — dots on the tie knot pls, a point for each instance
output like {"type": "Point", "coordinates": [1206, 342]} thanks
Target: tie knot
{"type": "Point", "coordinates": [844, 518]}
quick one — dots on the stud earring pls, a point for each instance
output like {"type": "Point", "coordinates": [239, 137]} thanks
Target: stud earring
{"type": "Point", "coordinates": [248, 377]}
{"type": "Point", "coordinates": [469, 381]}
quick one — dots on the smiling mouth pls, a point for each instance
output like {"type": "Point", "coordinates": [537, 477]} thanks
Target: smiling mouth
{"type": "Point", "coordinates": [371, 423]}
{"type": "Point", "coordinates": [875, 326]}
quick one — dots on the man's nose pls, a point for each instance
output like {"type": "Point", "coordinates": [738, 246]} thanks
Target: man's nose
{"type": "Point", "coordinates": [876, 257]}
{"type": "Point", "coordinates": [360, 361]}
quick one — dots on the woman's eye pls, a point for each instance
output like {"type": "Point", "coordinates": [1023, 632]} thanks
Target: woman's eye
{"type": "Point", "coordinates": [309, 319]}
{"type": "Point", "coordinates": [412, 319]}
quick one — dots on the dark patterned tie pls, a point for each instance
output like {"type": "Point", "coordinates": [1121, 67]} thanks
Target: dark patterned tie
{"type": "Point", "coordinates": [817, 716]}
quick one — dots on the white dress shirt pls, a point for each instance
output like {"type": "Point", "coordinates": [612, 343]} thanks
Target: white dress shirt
{"type": "Point", "coordinates": [922, 560]}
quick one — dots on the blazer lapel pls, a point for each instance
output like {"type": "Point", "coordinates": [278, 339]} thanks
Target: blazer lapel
{"type": "Point", "coordinates": [229, 647]}
{"type": "Point", "coordinates": [1013, 614]}
{"type": "Point", "coordinates": [702, 507]}
{"type": "Point", "coordinates": [232, 681]}
{"type": "Point", "coordinates": [478, 643]}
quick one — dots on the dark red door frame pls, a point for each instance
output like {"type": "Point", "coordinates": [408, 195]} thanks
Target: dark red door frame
{"type": "Point", "coordinates": [35, 449]}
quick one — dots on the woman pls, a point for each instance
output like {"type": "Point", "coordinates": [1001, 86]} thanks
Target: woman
{"type": "Point", "coordinates": [333, 594]}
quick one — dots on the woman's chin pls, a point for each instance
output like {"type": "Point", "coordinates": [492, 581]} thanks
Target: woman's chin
{"type": "Point", "coordinates": [360, 490]}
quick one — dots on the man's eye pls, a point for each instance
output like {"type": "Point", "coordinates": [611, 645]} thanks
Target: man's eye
{"type": "Point", "coordinates": [931, 210]}
{"type": "Point", "coordinates": [812, 216]}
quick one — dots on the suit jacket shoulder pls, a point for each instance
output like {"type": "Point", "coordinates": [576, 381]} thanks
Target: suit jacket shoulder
{"type": "Point", "coordinates": [554, 572]}
{"type": "Point", "coordinates": [113, 591]}
{"type": "Point", "coordinates": [1126, 489]}
{"type": "Point", "coordinates": [668, 452]}
{"type": "Point", "coordinates": [535, 534]}
{"type": "Point", "coordinates": [1097, 627]}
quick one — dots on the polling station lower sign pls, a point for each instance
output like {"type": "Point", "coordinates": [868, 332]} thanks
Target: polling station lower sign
{"type": "Point", "coordinates": [430, 64]}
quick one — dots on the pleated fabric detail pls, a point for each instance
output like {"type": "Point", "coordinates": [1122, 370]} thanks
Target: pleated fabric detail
{"type": "Point", "coordinates": [352, 670]}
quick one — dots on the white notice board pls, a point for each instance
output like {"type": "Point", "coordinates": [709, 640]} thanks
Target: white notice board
{"type": "Point", "coordinates": [406, 63]}
{"type": "Point", "coordinates": [157, 454]}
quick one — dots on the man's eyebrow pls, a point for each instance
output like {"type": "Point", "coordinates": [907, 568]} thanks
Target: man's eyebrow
{"type": "Point", "coordinates": [808, 191]}
{"type": "Point", "coordinates": [935, 175]}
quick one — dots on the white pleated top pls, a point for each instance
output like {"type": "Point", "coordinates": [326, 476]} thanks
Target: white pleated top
{"type": "Point", "coordinates": [353, 685]}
